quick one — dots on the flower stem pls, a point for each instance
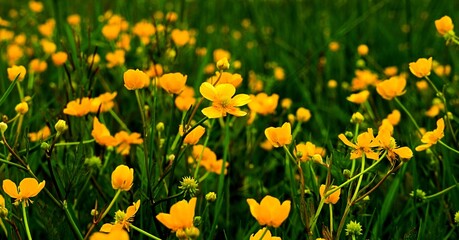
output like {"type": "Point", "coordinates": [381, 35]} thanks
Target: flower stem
{"type": "Point", "coordinates": [362, 169]}
{"type": "Point", "coordinates": [144, 232]}
{"type": "Point", "coordinates": [26, 223]}
{"type": "Point", "coordinates": [73, 143]}
{"type": "Point", "coordinates": [442, 192]}
{"type": "Point", "coordinates": [110, 205]}
{"type": "Point", "coordinates": [408, 113]}
{"type": "Point", "coordinates": [448, 147]}
{"type": "Point", "coordinates": [75, 228]}
{"type": "Point", "coordinates": [330, 206]}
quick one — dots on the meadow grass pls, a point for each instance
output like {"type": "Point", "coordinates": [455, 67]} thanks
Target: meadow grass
{"type": "Point", "coordinates": [304, 52]}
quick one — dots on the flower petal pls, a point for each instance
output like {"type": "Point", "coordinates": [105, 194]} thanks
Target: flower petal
{"type": "Point", "coordinates": [404, 152]}
{"type": "Point", "coordinates": [240, 100]}
{"type": "Point", "coordinates": [10, 188]}
{"type": "Point", "coordinates": [225, 91]}
{"type": "Point", "coordinates": [28, 187]}
{"type": "Point", "coordinates": [212, 112]}
{"type": "Point", "coordinates": [208, 91]}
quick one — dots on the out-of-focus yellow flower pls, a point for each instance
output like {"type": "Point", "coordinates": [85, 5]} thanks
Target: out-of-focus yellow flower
{"type": "Point", "coordinates": [269, 212]}
{"type": "Point", "coordinates": [390, 71]}
{"type": "Point", "coordinates": [14, 52]}
{"type": "Point", "coordinates": [362, 50]}
{"type": "Point", "coordinates": [22, 108]}
{"type": "Point", "coordinates": [103, 103]}
{"type": "Point", "coordinates": [441, 70]}
{"type": "Point", "coordinates": [42, 134]}
{"type": "Point", "coordinates": [36, 6]}
{"type": "Point", "coordinates": [112, 235]}
{"type": "Point", "coordinates": [115, 58]}
{"type": "Point", "coordinates": [111, 31]}
{"type": "Point", "coordinates": [94, 59]}
{"type": "Point", "coordinates": [101, 134]}
{"type": "Point", "coordinates": [303, 114]}
{"type": "Point", "coordinates": [192, 137]}
{"type": "Point", "coordinates": [122, 219]}
{"type": "Point", "coordinates": [155, 70]}
{"type": "Point", "coordinates": [180, 216]}
{"type": "Point", "coordinates": [394, 117]}
{"type": "Point", "coordinates": [444, 25]}
{"type": "Point", "coordinates": [180, 37]}
{"type": "Point", "coordinates": [266, 145]}
{"type": "Point", "coordinates": [16, 71]}
{"type": "Point", "coordinates": [48, 46]}
{"type": "Point", "coordinates": [365, 143]}
{"type": "Point", "coordinates": [74, 20]}
{"type": "Point", "coordinates": [422, 85]}
{"type": "Point", "coordinates": [226, 77]}
{"type": "Point", "coordinates": [37, 65]}
{"type": "Point", "coordinates": [286, 103]}
{"type": "Point", "coordinates": [334, 46]}
{"type": "Point", "coordinates": [135, 79]}
{"type": "Point", "coordinates": [266, 235]}
{"type": "Point", "coordinates": [359, 97]}
{"type": "Point", "coordinates": [46, 29]}
{"type": "Point", "coordinates": [333, 198]}
{"type": "Point", "coordinates": [173, 82]}
{"type": "Point", "coordinates": [263, 104]}
{"type": "Point", "coordinates": [223, 64]}
{"type": "Point", "coordinates": [421, 68]}
{"type": "Point", "coordinates": [144, 30]}
{"type": "Point", "coordinates": [308, 151]}
{"type": "Point", "coordinates": [59, 58]}
{"type": "Point", "coordinates": [221, 53]}
{"type": "Point", "coordinates": [223, 101]}
{"type": "Point", "coordinates": [434, 110]}
{"type": "Point", "coordinates": [432, 137]}
{"type": "Point", "coordinates": [171, 17]}
{"type": "Point", "coordinates": [124, 140]}
{"type": "Point", "coordinates": [279, 136]}
{"type": "Point", "coordinates": [363, 79]}
{"type": "Point", "coordinates": [391, 88]}
{"type": "Point", "coordinates": [207, 158]}
{"type": "Point", "coordinates": [78, 107]}
{"type": "Point", "coordinates": [279, 74]}
{"type": "Point", "coordinates": [28, 188]}
{"type": "Point", "coordinates": [185, 99]}
{"type": "Point", "coordinates": [122, 178]}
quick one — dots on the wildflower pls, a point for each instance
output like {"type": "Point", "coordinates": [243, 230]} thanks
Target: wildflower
{"type": "Point", "coordinates": [185, 99]}
{"type": "Point", "coordinates": [22, 108]}
{"type": "Point", "coordinates": [226, 77]}
{"type": "Point", "coordinates": [211, 197]}
{"type": "Point", "coordinates": [180, 37]}
{"type": "Point", "coordinates": [307, 151]}
{"type": "Point", "coordinates": [266, 145]}
{"type": "Point", "coordinates": [3, 209]}
{"type": "Point", "coordinates": [48, 46]}
{"type": "Point", "coordinates": [357, 118]}
{"type": "Point", "coordinates": [113, 235]}
{"type": "Point", "coordinates": [286, 103]}
{"type": "Point", "coordinates": [135, 79]}
{"type": "Point", "coordinates": [333, 198]}
{"type": "Point", "coordinates": [46, 29]}
{"type": "Point", "coordinates": [74, 19]}
{"type": "Point", "coordinates": [266, 236]}
{"type": "Point", "coordinates": [418, 194]}
{"type": "Point", "coordinates": [363, 79]}
{"type": "Point", "coordinates": [421, 68]}
{"type": "Point", "coordinates": [122, 178]}
{"type": "Point", "coordinates": [28, 188]}
{"type": "Point", "coordinates": [334, 46]}
{"type": "Point", "coordinates": [432, 137]}
{"type": "Point", "coordinates": [391, 88]}
{"type": "Point", "coordinates": [171, 17]}
{"type": "Point", "coordinates": [37, 65]}
{"type": "Point", "coordinates": [42, 134]}
{"type": "Point", "coordinates": [103, 103]}
{"type": "Point", "coordinates": [362, 50]}
{"type": "Point", "coordinates": [208, 159]}
{"type": "Point", "coordinates": [59, 58]}
{"type": "Point", "coordinates": [115, 58]}
{"type": "Point", "coordinates": [3, 127]}
{"type": "Point", "coordinates": [124, 141]}
{"type": "Point", "coordinates": [192, 137]}
{"type": "Point", "coordinates": [353, 228]}
{"type": "Point", "coordinates": [78, 107]}
{"type": "Point", "coordinates": [155, 70]}
{"type": "Point", "coordinates": [422, 85]}
{"type": "Point", "coordinates": [220, 53]}
{"type": "Point", "coordinates": [173, 82]}
{"type": "Point", "coordinates": [14, 52]}
{"type": "Point", "coordinates": [223, 101]}
{"type": "Point", "coordinates": [387, 142]}
{"type": "Point", "coordinates": [189, 185]}
{"type": "Point", "coordinates": [390, 71]}
{"type": "Point", "coordinates": [122, 219]}
{"type": "Point", "coordinates": [180, 216]}
{"type": "Point", "coordinates": [61, 126]}
{"type": "Point", "coordinates": [223, 64]}
{"type": "Point", "coordinates": [111, 31]}
{"type": "Point", "coordinates": [332, 83]}
{"type": "Point", "coordinates": [279, 74]}
{"type": "Point", "coordinates": [444, 25]}
{"type": "Point", "coordinates": [394, 117]}
{"type": "Point", "coordinates": [303, 114]}
{"type": "Point", "coordinates": [279, 136]}
{"type": "Point", "coordinates": [16, 71]}
{"type": "Point", "coordinates": [93, 59]}
{"type": "Point", "coordinates": [36, 6]}
{"type": "Point", "coordinates": [359, 97]}
{"type": "Point", "coordinates": [263, 104]}
{"type": "Point", "coordinates": [102, 135]}
{"type": "Point", "coordinates": [144, 30]}
{"type": "Point", "coordinates": [269, 212]}
{"type": "Point", "coordinates": [365, 141]}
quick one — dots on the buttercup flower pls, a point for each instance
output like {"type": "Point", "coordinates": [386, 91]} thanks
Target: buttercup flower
{"type": "Point", "coordinates": [42, 134]}
{"type": "Point", "coordinates": [234, 79]}
{"type": "Point", "coordinates": [28, 188]}
{"type": "Point", "coordinates": [59, 58]}
{"type": "Point", "coordinates": [185, 99]}
{"type": "Point", "coordinates": [122, 219]}
{"type": "Point", "coordinates": [37, 65]}
{"type": "Point", "coordinates": [365, 141]}
{"type": "Point", "coordinates": [180, 217]}
{"type": "Point", "coordinates": [122, 178]}
{"type": "Point", "coordinates": [432, 137]}
{"type": "Point", "coordinates": [269, 212]}
{"type": "Point", "coordinates": [303, 114]}
{"type": "Point", "coordinates": [263, 104]}
{"type": "Point", "coordinates": [421, 68]}
{"type": "Point", "coordinates": [78, 107]}
{"type": "Point", "coordinates": [362, 50]}
{"type": "Point", "coordinates": [208, 159]}
{"type": "Point", "coordinates": [333, 198]}
{"type": "Point", "coordinates": [387, 142]}
{"type": "Point", "coordinates": [173, 82]}
{"type": "Point", "coordinates": [267, 236]}
{"type": "Point", "coordinates": [180, 37]}
{"type": "Point", "coordinates": [103, 103]}
{"type": "Point", "coordinates": [144, 30]}
{"type": "Point", "coordinates": [279, 74]}
{"type": "Point", "coordinates": [359, 97]}
{"type": "Point", "coordinates": [22, 108]}
{"type": "Point", "coordinates": [308, 151]}
{"type": "Point", "coordinates": [135, 79]}
{"type": "Point", "coordinates": [391, 88]}
{"type": "Point", "coordinates": [193, 137]}
{"type": "Point", "coordinates": [115, 58]}
{"type": "Point", "coordinates": [124, 141]}
{"type": "Point", "coordinates": [113, 235]}
{"type": "Point", "coordinates": [16, 71]}
{"type": "Point", "coordinates": [223, 101]}
{"type": "Point", "coordinates": [279, 136]}
{"type": "Point", "coordinates": [444, 25]}
{"type": "Point", "coordinates": [101, 134]}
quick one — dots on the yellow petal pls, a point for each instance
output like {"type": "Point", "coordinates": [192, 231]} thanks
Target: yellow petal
{"type": "Point", "coordinates": [253, 205]}
{"type": "Point", "coordinates": [225, 91]}
{"type": "Point", "coordinates": [240, 100]}
{"type": "Point", "coordinates": [343, 138]}
{"type": "Point", "coordinates": [28, 187]}
{"type": "Point", "coordinates": [280, 214]}
{"type": "Point", "coordinates": [237, 112]}
{"type": "Point", "coordinates": [208, 91]}
{"type": "Point", "coordinates": [404, 152]}
{"type": "Point", "coordinates": [10, 188]}
{"type": "Point", "coordinates": [168, 221]}
{"type": "Point", "coordinates": [212, 112]}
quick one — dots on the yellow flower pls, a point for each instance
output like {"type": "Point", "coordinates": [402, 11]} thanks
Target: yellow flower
{"type": "Point", "coordinates": [180, 217]}
{"type": "Point", "coordinates": [365, 141]}
{"type": "Point", "coordinates": [444, 25]}
{"type": "Point", "coordinates": [46, 29]}
{"type": "Point", "coordinates": [124, 141]}
{"type": "Point", "coordinates": [155, 70]}
{"type": "Point", "coordinates": [114, 59]}
{"type": "Point", "coordinates": [394, 117]}
{"type": "Point", "coordinates": [303, 114]}
{"type": "Point", "coordinates": [391, 88]}
{"type": "Point", "coordinates": [267, 235]}
{"type": "Point", "coordinates": [362, 50]}
{"type": "Point", "coordinates": [180, 37]}
{"type": "Point", "coordinates": [308, 151]}
{"type": "Point", "coordinates": [185, 99]}
{"type": "Point", "coordinates": [432, 137]}
{"type": "Point", "coordinates": [101, 134]}
{"type": "Point", "coordinates": [122, 219]}
{"type": "Point", "coordinates": [269, 212]}
{"type": "Point", "coordinates": [74, 19]}
{"type": "Point", "coordinates": [387, 142]}
{"type": "Point", "coordinates": [78, 107]}
{"type": "Point", "coordinates": [16, 71]}
{"type": "Point", "coordinates": [42, 134]}
{"type": "Point", "coordinates": [264, 104]}
{"type": "Point", "coordinates": [226, 77]}
{"type": "Point", "coordinates": [14, 52]}
{"type": "Point", "coordinates": [36, 6]}
{"type": "Point", "coordinates": [192, 137]}
{"type": "Point", "coordinates": [113, 235]}
{"type": "Point", "coordinates": [223, 101]}
{"type": "Point", "coordinates": [173, 82]}
{"type": "Point", "coordinates": [144, 30]}
{"type": "Point", "coordinates": [279, 136]}
{"type": "Point", "coordinates": [220, 53]}
{"type": "Point", "coordinates": [333, 198]}
{"type": "Point", "coordinates": [59, 58]}
{"type": "Point", "coordinates": [363, 79]}
{"type": "Point", "coordinates": [279, 74]}
{"type": "Point", "coordinates": [37, 65]}
{"type": "Point", "coordinates": [103, 103]}
{"type": "Point", "coordinates": [28, 188]}
{"type": "Point", "coordinates": [122, 178]}
{"type": "Point", "coordinates": [208, 159]}
{"type": "Point", "coordinates": [48, 46]}
{"type": "Point", "coordinates": [111, 31]}
{"type": "Point", "coordinates": [22, 108]}
{"type": "Point", "coordinates": [421, 68]}
{"type": "Point", "coordinates": [359, 97]}
{"type": "Point", "coordinates": [135, 79]}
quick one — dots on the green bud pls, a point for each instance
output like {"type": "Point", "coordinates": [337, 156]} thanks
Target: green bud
{"type": "Point", "coordinates": [353, 228]}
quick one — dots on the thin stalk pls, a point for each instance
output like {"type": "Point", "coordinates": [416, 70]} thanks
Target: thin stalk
{"type": "Point", "coordinates": [110, 205]}
{"type": "Point", "coordinates": [330, 207]}
{"type": "Point", "coordinates": [26, 223]}
{"type": "Point", "coordinates": [75, 228]}
{"type": "Point", "coordinates": [408, 113]}
{"type": "Point", "coordinates": [144, 232]}
{"type": "Point", "coordinates": [442, 192]}
{"type": "Point", "coordinates": [357, 189]}
{"type": "Point", "coordinates": [448, 147]}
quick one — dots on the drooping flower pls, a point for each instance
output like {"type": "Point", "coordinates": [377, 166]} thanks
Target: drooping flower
{"type": "Point", "coordinates": [122, 178]}
{"type": "Point", "coordinates": [124, 141]}
{"type": "Point", "coordinates": [279, 136]}
{"type": "Point", "coordinates": [263, 104]}
{"type": "Point", "coordinates": [359, 97]}
{"type": "Point", "coordinates": [365, 143]}
{"type": "Point", "coordinates": [421, 68]}
{"type": "Point", "coordinates": [223, 101]}
{"type": "Point", "coordinates": [444, 25]}
{"type": "Point", "coordinates": [266, 236]}
{"type": "Point", "coordinates": [333, 198]}
{"type": "Point", "coordinates": [185, 99]}
{"type": "Point", "coordinates": [28, 188]}
{"type": "Point", "coordinates": [102, 135]}
{"type": "Point", "coordinates": [16, 71]}
{"type": "Point", "coordinates": [42, 134]}
{"type": "Point", "coordinates": [180, 216]}
{"type": "Point", "coordinates": [135, 79]}
{"type": "Point", "coordinates": [123, 219]}
{"type": "Point", "coordinates": [391, 88]}
{"type": "Point", "coordinates": [387, 142]}
{"type": "Point", "coordinates": [432, 137]}
{"type": "Point", "coordinates": [78, 107]}
{"type": "Point", "coordinates": [269, 212]}
{"type": "Point", "coordinates": [173, 82]}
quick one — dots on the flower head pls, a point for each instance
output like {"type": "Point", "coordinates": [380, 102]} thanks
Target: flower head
{"type": "Point", "coordinates": [269, 212]}
{"type": "Point", "coordinates": [22, 108]}
{"type": "Point", "coordinates": [124, 141]}
{"type": "Point", "coordinates": [303, 114]}
{"type": "Point", "coordinates": [432, 137]}
{"type": "Point", "coordinates": [332, 198]}
{"type": "Point", "coordinates": [359, 97]}
{"type": "Point", "coordinates": [180, 216]}
{"type": "Point", "coordinates": [365, 141]}
{"type": "Point", "coordinates": [192, 137]}
{"type": "Point", "coordinates": [180, 37]}
{"type": "Point", "coordinates": [173, 82]}
{"type": "Point", "coordinates": [28, 188]}
{"type": "Point", "coordinates": [135, 79]}
{"type": "Point", "coordinates": [103, 103]}
{"type": "Point", "coordinates": [16, 71]}
{"type": "Point", "coordinates": [78, 107]}
{"type": "Point", "coordinates": [387, 142]}
{"type": "Point", "coordinates": [122, 178]}
{"type": "Point", "coordinates": [279, 136]}
{"type": "Point", "coordinates": [444, 25]}
{"type": "Point", "coordinates": [42, 134]}
{"type": "Point", "coordinates": [59, 58]}
{"type": "Point", "coordinates": [223, 100]}
{"type": "Point", "coordinates": [264, 104]}
{"type": "Point", "coordinates": [391, 88]}
{"type": "Point", "coordinates": [421, 68]}
{"type": "Point", "coordinates": [101, 134]}
{"type": "Point", "coordinates": [113, 235]}
{"type": "Point", "coordinates": [123, 219]}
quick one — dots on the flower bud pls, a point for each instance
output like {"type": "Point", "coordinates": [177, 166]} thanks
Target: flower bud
{"type": "Point", "coordinates": [61, 126]}
{"type": "Point", "coordinates": [3, 127]}
{"type": "Point", "coordinates": [223, 64]}
{"type": "Point", "coordinates": [353, 228]}
{"type": "Point", "coordinates": [357, 118]}
{"type": "Point", "coordinates": [211, 197]}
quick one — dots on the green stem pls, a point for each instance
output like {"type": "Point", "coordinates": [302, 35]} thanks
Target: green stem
{"type": "Point", "coordinates": [118, 119]}
{"type": "Point", "coordinates": [319, 209]}
{"type": "Point", "coordinates": [362, 169]}
{"type": "Point", "coordinates": [75, 228]}
{"type": "Point", "coordinates": [13, 164]}
{"type": "Point", "coordinates": [26, 223]}
{"type": "Point", "coordinates": [144, 232]}
{"type": "Point", "coordinates": [330, 206]}
{"type": "Point", "coordinates": [408, 113]}
{"type": "Point", "coordinates": [441, 192]}
{"type": "Point", "coordinates": [448, 147]}
{"type": "Point", "coordinates": [73, 143]}
{"type": "Point", "coordinates": [110, 205]}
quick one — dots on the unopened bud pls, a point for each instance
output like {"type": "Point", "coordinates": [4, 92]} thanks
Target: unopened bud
{"type": "Point", "coordinates": [223, 64]}
{"type": "Point", "coordinates": [61, 126]}
{"type": "Point", "coordinates": [94, 212]}
{"type": "Point", "coordinates": [3, 127]}
{"type": "Point", "coordinates": [192, 232]}
{"type": "Point", "coordinates": [160, 127]}
{"type": "Point", "coordinates": [357, 118]}
{"type": "Point", "coordinates": [211, 197]}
